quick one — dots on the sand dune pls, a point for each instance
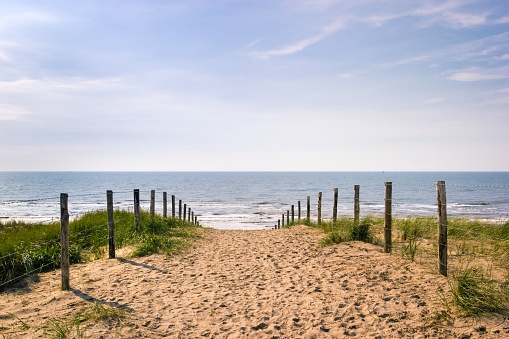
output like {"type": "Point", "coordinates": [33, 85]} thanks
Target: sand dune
{"type": "Point", "coordinates": [253, 284]}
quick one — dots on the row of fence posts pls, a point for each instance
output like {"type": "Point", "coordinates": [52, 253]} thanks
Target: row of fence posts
{"type": "Point", "coordinates": [187, 213]}
{"type": "Point", "coordinates": [442, 218]}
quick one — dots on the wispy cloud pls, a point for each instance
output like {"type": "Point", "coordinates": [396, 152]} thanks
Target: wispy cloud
{"type": "Point", "coordinates": [12, 112]}
{"type": "Point", "coordinates": [434, 101]}
{"type": "Point", "coordinates": [500, 96]}
{"type": "Point", "coordinates": [300, 45]}
{"type": "Point", "coordinates": [480, 74]}
{"type": "Point", "coordinates": [4, 57]}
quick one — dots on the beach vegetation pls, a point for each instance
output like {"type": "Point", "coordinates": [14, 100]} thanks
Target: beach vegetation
{"type": "Point", "coordinates": [72, 327]}
{"type": "Point", "coordinates": [346, 229]}
{"type": "Point", "coordinates": [30, 248]}
{"type": "Point", "coordinates": [474, 291]}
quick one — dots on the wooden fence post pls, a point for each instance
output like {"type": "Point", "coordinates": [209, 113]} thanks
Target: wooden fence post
{"type": "Point", "coordinates": [335, 208]}
{"type": "Point", "coordinates": [356, 205]}
{"type": "Point", "coordinates": [293, 213]}
{"type": "Point", "coordinates": [152, 203]}
{"type": "Point", "coordinates": [137, 210]}
{"type": "Point", "coordinates": [388, 217]}
{"type": "Point", "coordinates": [180, 209]}
{"type": "Point", "coordinates": [442, 227]}
{"type": "Point", "coordinates": [319, 208]}
{"type": "Point", "coordinates": [189, 215]}
{"type": "Point", "coordinates": [173, 206]}
{"type": "Point", "coordinates": [192, 219]}
{"type": "Point", "coordinates": [288, 217]}
{"type": "Point", "coordinates": [64, 240]}
{"type": "Point", "coordinates": [279, 224]}
{"type": "Point", "coordinates": [308, 211]}
{"type": "Point", "coordinates": [283, 220]}
{"type": "Point", "coordinates": [165, 205]}
{"type": "Point", "coordinates": [185, 212]}
{"type": "Point", "coordinates": [298, 207]}
{"type": "Point", "coordinates": [111, 225]}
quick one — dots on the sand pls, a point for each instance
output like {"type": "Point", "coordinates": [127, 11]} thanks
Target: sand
{"type": "Point", "coordinates": [248, 284]}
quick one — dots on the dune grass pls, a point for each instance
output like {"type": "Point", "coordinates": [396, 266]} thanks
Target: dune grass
{"type": "Point", "coordinates": [477, 249]}
{"type": "Point", "coordinates": [28, 247]}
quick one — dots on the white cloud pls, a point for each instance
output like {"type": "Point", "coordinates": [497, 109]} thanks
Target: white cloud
{"type": "Point", "coordinates": [3, 57]}
{"type": "Point", "coordinates": [503, 20]}
{"type": "Point", "coordinates": [300, 45]}
{"type": "Point", "coordinates": [12, 112]}
{"type": "Point", "coordinates": [480, 74]}
{"type": "Point", "coordinates": [434, 101]}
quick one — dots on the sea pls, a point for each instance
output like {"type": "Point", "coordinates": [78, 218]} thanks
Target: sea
{"type": "Point", "coordinates": [254, 200]}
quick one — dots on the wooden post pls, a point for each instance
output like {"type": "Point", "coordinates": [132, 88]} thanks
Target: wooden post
{"type": "Point", "coordinates": [319, 208]}
{"type": "Point", "coordinates": [308, 211]}
{"type": "Point", "coordinates": [185, 211]}
{"type": "Point", "coordinates": [152, 204]}
{"type": "Point", "coordinates": [356, 205]}
{"type": "Point", "coordinates": [288, 217]}
{"type": "Point", "coordinates": [293, 213]}
{"type": "Point", "coordinates": [442, 228]}
{"type": "Point", "coordinates": [279, 224]}
{"type": "Point", "coordinates": [283, 220]}
{"type": "Point", "coordinates": [388, 217]}
{"type": "Point", "coordinates": [189, 215]}
{"type": "Point", "coordinates": [180, 209]}
{"type": "Point", "coordinates": [137, 222]}
{"type": "Point", "coordinates": [335, 208]}
{"type": "Point", "coordinates": [298, 204]}
{"type": "Point", "coordinates": [165, 205]}
{"type": "Point", "coordinates": [111, 225]}
{"type": "Point", "coordinates": [173, 206]}
{"type": "Point", "coordinates": [192, 219]}
{"type": "Point", "coordinates": [64, 240]}
{"type": "Point", "coordinates": [196, 220]}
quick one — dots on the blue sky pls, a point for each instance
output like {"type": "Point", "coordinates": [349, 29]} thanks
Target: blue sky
{"type": "Point", "coordinates": [254, 85]}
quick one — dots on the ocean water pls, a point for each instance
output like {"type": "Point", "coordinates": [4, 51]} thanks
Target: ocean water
{"type": "Point", "coordinates": [254, 200]}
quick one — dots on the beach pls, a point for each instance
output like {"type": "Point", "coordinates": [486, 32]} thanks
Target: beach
{"type": "Point", "coordinates": [248, 284]}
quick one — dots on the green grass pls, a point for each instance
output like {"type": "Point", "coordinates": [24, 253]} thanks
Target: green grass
{"type": "Point", "coordinates": [36, 247]}
{"type": "Point", "coordinates": [474, 292]}
{"type": "Point", "coordinates": [72, 326]}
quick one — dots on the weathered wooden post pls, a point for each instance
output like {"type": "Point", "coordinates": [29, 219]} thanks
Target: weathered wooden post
{"type": "Point", "coordinates": [442, 227]}
{"type": "Point", "coordinates": [335, 208]}
{"type": "Point", "coordinates": [192, 219]}
{"type": "Point", "coordinates": [111, 225]}
{"type": "Point", "coordinates": [152, 203]}
{"type": "Point", "coordinates": [165, 205]}
{"type": "Point", "coordinates": [288, 217]}
{"type": "Point", "coordinates": [293, 213]}
{"type": "Point", "coordinates": [356, 205]}
{"type": "Point", "coordinates": [189, 216]}
{"type": "Point", "coordinates": [137, 221]}
{"type": "Point", "coordinates": [180, 209]}
{"type": "Point", "coordinates": [173, 206]}
{"type": "Point", "coordinates": [64, 240]}
{"type": "Point", "coordinates": [185, 212]}
{"type": "Point", "coordinates": [279, 224]}
{"type": "Point", "coordinates": [298, 204]}
{"type": "Point", "coordinates": [319, 208]}
{"type": "Point", "coordinates": [388, 217]}
{"type": "Point", "coordinates": [308, 211]}
{"type": "Point", "coordinates": [283, 220]}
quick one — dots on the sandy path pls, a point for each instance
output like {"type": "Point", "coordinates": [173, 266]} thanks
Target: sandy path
{"type": "Point", "coordinates": [236, 284]}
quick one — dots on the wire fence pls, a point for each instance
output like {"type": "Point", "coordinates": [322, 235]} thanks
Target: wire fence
{"type": "Point", "coordinates": [476, 232]}
{"type": "Point", "coordinates": [36, 244]}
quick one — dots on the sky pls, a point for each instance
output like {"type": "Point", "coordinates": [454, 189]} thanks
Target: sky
{"type": "Point", "coordinates": [273, 85]}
